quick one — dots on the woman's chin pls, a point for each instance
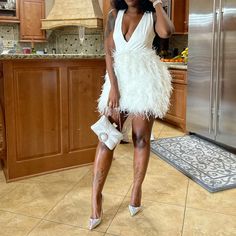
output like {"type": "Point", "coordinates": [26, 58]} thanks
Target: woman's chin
{"type": "Point", "coordinates": [132, 3]}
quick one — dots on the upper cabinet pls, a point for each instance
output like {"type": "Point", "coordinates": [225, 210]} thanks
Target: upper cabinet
{"type": "Point", "coordinates": [180, 15]}
{"type": "Point", "coordinates": [31, 14]}
{"type": "Point", "coordinates": [9, 11]}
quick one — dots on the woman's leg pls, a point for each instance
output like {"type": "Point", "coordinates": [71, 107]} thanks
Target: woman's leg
{"type": "Point", "coordinates": [102, 164]}
{"type": "Point", "coordinates": [141, 132]}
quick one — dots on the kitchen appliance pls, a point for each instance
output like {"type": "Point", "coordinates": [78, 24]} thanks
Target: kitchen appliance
{"type": "Point", "coordinates": [211, 102]}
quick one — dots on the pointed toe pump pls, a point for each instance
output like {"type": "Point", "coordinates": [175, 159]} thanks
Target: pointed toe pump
{"type": "Point", "coordinates": [134, 210]}
{"type": "Point", "coordinates": [94, 222]}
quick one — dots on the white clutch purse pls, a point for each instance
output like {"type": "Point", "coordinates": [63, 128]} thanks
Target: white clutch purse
{"type": "Point", "coordinates": [107, 132]}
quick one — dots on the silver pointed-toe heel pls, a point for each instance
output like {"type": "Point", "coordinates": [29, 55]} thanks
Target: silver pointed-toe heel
{"type": "Point", "coordinates": [94, 222]}
{"type": "Point", "coordinates": [134, 210]}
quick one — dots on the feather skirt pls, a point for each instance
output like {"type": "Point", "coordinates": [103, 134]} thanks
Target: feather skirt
{"type": "Point", "coordinates": [144, 84]}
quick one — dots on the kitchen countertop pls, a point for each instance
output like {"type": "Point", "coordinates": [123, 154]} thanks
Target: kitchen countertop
{"type": "Point", "coordinates": [170, 65]}
{"type": "Point", "coordinates": [50, 56]}
{"type": "Point", "coordinates": [176, 65]}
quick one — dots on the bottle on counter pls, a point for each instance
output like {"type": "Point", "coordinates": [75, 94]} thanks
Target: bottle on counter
{"type": "Point", "coordinates": [33, 51]}
{"type": "Point", "coordinates": [45, 51]}
{"type": "Point", "coordinates": [54, 51]}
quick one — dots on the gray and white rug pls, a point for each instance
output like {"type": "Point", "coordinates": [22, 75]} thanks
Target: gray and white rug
{"type": "Point", "coordinates": [205, 163]}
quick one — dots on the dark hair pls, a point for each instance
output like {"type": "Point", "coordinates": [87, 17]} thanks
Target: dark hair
{"type": "Point", "coordinates": [145, 5]}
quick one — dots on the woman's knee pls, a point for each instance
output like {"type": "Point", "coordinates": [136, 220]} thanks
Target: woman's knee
{"type": "Point", "coordinates": [140, 140]}
{"type": "Point", "coordinates": [103, 147]}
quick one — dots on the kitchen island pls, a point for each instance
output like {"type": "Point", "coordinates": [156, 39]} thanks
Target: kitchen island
{"type": "Point", "coordinates": [47, 105]}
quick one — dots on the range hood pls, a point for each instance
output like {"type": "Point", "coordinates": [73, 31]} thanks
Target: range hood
{"type": "Point", "coordinates": [85, 13]}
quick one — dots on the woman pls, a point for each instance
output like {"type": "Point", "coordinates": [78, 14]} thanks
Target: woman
{"type": "Point", "coordinates": [136, 84]}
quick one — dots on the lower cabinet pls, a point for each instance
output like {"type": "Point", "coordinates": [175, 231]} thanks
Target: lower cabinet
{"type": "Point", "coordinates": [48, 107]}
{"type": "Point", "coordinates": [177, 112]}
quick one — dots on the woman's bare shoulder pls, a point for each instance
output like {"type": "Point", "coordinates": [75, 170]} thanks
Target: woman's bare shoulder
{"type": "Point", "coordinates": [111, 18]}
{"type": "Point", "coordinates": [113, 12]}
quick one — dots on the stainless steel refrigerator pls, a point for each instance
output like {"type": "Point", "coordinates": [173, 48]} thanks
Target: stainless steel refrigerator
{"type": "Point", "coordinates": [211, 101]}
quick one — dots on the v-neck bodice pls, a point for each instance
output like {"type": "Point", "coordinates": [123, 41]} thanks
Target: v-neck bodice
{"type": "Point", "coordinates": [142, 37]}
{"type": "Point", "coordinates": [136, 28]}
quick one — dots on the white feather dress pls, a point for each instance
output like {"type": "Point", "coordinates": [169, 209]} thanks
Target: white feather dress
{"type": "Point", "coordinates": [144, 81]}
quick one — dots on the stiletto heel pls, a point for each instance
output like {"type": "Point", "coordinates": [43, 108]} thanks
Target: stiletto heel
{"type": "Point", "coordinates": [134, 210]}
{"type": "Point", "coordinates": [94, 222]}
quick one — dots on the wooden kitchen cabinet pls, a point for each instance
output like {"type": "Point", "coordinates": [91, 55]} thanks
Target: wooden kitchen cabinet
{"type": "Point", "coordinates": [2, 131]}
{"type": "Point", "coordinates": [47, 108]}
{"type": "Point", "coordinates": [180, 15]}
{"type": "Point", "coordinates": [10, 15]}
{"type": "Point", "coordinates": [177, 111]}
{"type": "Point", "coordinates": [186, 21]}
{"type": "Point", "coordinates": [31, 13]}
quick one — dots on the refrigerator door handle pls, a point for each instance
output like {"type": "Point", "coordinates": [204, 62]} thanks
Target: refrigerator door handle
{"type": "Point", "coordinates": [218, 64]}
{"type": "Point", "coordinates": [213, 47]}
{"type": "Point", "coordinates": [169, 8]}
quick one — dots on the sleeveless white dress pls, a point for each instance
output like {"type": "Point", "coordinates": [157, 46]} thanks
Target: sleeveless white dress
{"type": "Point", "coordinates": [144, 81]}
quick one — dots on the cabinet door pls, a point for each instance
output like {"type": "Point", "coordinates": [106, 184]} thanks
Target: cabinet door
{"type": "Point", "coordinates": [178, 103]}
{"type": "Point", "coordinates": [178, 15]}
{"type": "Point", "coordinates": [186, 16]}
{"type": "Point", "coordinates": [31, 13]}
{"type": "Point", "coordinates": [10, 15]}
{"type": "Point", "coordinates": [84, 85]}
{"type": "Point", "coordinates": [177, 111]}
{"type": "Point", "coordinates": [2, 125]}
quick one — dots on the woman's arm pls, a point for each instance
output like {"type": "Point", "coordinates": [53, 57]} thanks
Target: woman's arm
{"type": "Point", "coordinates": [163, 25]}
{"type": "Point", "coordinates": [109, 46]}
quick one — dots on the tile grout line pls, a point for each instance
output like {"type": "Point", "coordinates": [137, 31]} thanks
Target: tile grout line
{"type": "Point", "coordinates": [118, 209]}
{"type": "Point", "coordinates": [34, 227]}
{"type": "Point", "coordinates": [64, 196]}
{"type": "Point", "coordinates": [74, 226]}
{"type": "Point", "coordinates": [54, 206]}
{"type": "Point", "coordinates": [186, 198]}
{"type": "Point", "coordinates": [164, 203]}
{"type": "Point", "coordinates": [35, 217]}
{"type": "Point", "coordinates": [160, 132]}
{"type": "Point", "coordinates": [20, 214]}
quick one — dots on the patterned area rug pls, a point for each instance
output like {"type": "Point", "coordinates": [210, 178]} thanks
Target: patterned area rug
{"type": "Point", "coordinates": [205, 163]}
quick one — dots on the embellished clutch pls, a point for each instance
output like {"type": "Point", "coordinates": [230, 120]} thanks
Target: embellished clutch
{"type": "Point", "coordinates": [107, 132]}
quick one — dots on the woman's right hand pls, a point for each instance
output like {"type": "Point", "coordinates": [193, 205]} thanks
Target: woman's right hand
{"type": "Point", "coordinates": [114, 97]}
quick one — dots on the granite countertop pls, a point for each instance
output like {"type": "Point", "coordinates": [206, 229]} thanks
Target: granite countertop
{"type": "Point", "coordinates": [170, 65]}
{"type": "Point", "coordinates": [176, 65]}
{"type": "Point", "coordinates": [51, 56]}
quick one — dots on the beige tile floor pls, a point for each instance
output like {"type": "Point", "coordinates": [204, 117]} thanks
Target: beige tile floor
{"type": "Point", "coordinates": [58, 204]}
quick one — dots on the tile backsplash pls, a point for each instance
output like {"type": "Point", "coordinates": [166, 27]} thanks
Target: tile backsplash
{"type": "Point", "coordinates": [9, 33]}
{"type": "Point", "coordinates": [65, 40]}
